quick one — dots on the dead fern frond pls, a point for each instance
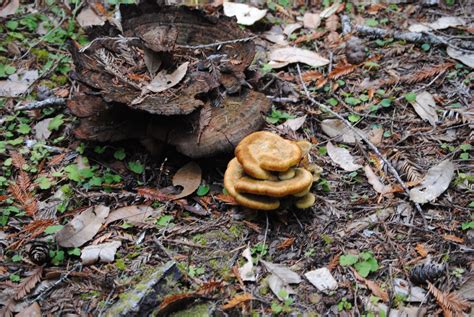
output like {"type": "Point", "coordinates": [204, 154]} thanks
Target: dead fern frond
{"type": "Point", "coordinates": [451, 303]}
{"type": "Point", "coordinates": [23, 180]}
{"type": "Point", "coordinates": [17, 160]}
{"type": "Point", "coordinates": [341, 70]}
{"type": "Point", "coordinates": [311, 75]}
{"type": "Point", "coordinates": [26, 199]}
{"type": "Point", "coordinates": [426, 73]}
{"type": "Point", "coordinates": [406, 167]}
{"type": "Point", "coordinates": [28, 283]}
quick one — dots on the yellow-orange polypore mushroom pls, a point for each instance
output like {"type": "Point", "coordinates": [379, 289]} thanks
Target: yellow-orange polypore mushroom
{"type": "Point", "coordinates": [235, 172]}
{"type": "Point", "coordinates": [280, 188]}
{"type": "Point", "coordinates": [262, 152]}
{"type": "Point", "coordinates": [306, 201]}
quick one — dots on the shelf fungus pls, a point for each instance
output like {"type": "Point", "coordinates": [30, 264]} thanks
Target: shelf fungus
{"type": "Point", "coordinates": [171, 75]}
{"type": "Point", "coordinates": [269, 170]}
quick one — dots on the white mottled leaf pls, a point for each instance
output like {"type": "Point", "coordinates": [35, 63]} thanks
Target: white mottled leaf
{"type": "Point", "coordinates": [245, 14]}
{"type": "Point", "coordinates": [280, 57]}
{"type": "Point", "coordinates": [104, 253]}
{"type": "Point", "coordinates": [425, 107]}
{"type": "Point", "coordinates": [283, 272]}
{"type": "Point", "coordinates": [82, 227]}
{"type": "Point", "coordinates": [464, 57]}
{"type": "Point", "coordinates": [247, 271]}
{"type": "Point", "coordinates": [342, 157]}
{"type": "Point", "coordinates": [164, 81]}
{"type": "Point", "coordinates": [322, 279]}
{"type": "Point", "coordinates": [437, 180]}
{"type": "Point", "coordinates": [375, 182]}
{"type": "Point", "coordinates": [336, 129]}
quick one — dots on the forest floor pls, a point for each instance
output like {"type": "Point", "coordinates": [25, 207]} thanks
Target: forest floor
{"type": "Point", "coordinates": [377, 236]}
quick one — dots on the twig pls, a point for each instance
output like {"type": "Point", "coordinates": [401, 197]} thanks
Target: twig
{"type": "Point", "coordinates": [41, 295]}
{"type": "Point", "coordinates": [244, 39]}
{"type": "Point", "coordinates": [416, 37]}
{"type": "Point", "coordinates": [370, 144]}
{"type": "Point", "coordinates": [49, 102]}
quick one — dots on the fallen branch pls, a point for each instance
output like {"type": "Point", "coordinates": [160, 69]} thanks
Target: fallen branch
{"type": "Point", "coordinates": [217, 43]}
{"type": "Point", "coordinates": [415, 37]}
{"type": "Point", "coordinates": [362, 137]}
{"type": "Point", "coordinates": [49, 102]}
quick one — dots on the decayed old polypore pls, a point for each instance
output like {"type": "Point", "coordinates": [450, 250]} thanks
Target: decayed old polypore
{"type": "Point", "coordinates": [275, 161]}
{"type": "Point", "coordinates": [167, 76]}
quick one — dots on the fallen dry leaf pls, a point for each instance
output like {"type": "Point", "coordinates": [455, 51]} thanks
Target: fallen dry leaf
{"type": "Point", "coordinates": [440, 24]}
{"type": "Point", "coordinates": [326, 13]}
{"type": "Point", "coordinates": [436, 181]}
{"type": "Point", "coordinates": [420, 248]}
{"type": "Point", "coordinates": [280, 57]}
{"type": "Point", "coordinates": [280, 279]}
{"type": "Point", "coordinates": [425, 107]}
{"type": "Point", "coordinates": [41, 129]}
{"type": "Point", "coordinates": [237, 300]}
{"type": "Point", "coordinates": [311, 20]}
{"type": "Point", "coordinates": [9, 8]}
{"type": "Point", "coordinates": [245, 14]}
{"type": "Point", "coordinates": [152, 61]}
{"type": "Point", "coordinates": [132, 214]}
{"type": "Point", "coordinates": [322, 279]}
{"type": "Point", "coordinates": [34, 310]}
{"type": "Point", "coordinates": [17, 83]}
{"type": "Point", "coordinates": [375, 182]}
{"type": "Point", "coordinates": [246, 271]}
{"type": "Point", "coordinates": [453, 238]}
{"type": "Point", "coordinates": [164, 81]}
{"type": "Point", "coordinates": [82, 227]}
{"type": "Point", "coordinates": [88, 17]}
{"type": "Point", "coordinates": [337, 130]}
{"type": "Point", "coordinates": [293, 124]}
{"type": "Point", "coordinates": [290, 28]}
{"type": "Point", "coordinates": [464, 57]}
{"type": "Point", "coordinates": [342, 157]}
{"type": "Point", "coordinates": [374, 287]}
{"type": "Point", "coordinates": [104, 253]}
{"type": "Point", "coordinates": [189, 177]}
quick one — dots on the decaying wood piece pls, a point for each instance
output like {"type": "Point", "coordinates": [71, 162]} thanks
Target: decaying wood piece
{"type": "Point", "coordinates": [203, 113]}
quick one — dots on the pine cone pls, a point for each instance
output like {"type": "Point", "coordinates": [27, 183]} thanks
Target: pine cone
{"type": "Point", "coordinates": [38, 252]}
{"type": "Point", "coordinates": [355, 50]}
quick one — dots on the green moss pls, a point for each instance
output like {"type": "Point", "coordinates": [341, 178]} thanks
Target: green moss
{"type": "Point", "coordinates": [59, 79]}
{"type": "Point", "coordinates": [200, 239]}
{"type": "Point", "coordinates": [41, 55]}
{"type": "Point", "coordinates": [237, 230]}
{"type": "Point", "coordinates": [201, 310]}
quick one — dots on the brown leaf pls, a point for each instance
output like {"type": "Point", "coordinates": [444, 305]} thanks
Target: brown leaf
{"type": "Point", "coordinates": [453, 238]}
{"type": "Point", "coordinates": [176, 299]}
{"type": "Point", "coordinates": [311, 20]}
{"type": "Point", "coordinates": [34, 310]}
{"type": "Point", "coordinates": [375, 182]}
{"type": "Point", "coordinates": [189, 177]}
{"type": "Point", "coordinates": [311, 75]}
{"type": "Point", "coordinates": [420, 248]}
{"type": "Point", "coordinates": [28, 283]}
{"type": "Point", "coordinates": [332, 23]}
{"type": "Point", "coordinates": [131, 214]}
{"type": "Point", "coordinates": [164, 81]}
{"type": "Point", "coordinates": [374, 287]}
{"type": "Point", "coordinates": [285, 244]}
{"type": "Point", "coordinates": [153, 194]}
{"type": "Point", "coordinates": [341, 70]}
{"type": "Point", "coordinates": [82, 227]}
{"type": "Point", "coordinates": [237, 300]}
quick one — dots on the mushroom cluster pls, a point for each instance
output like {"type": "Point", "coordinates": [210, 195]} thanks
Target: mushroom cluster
{"type": "Point", "coordinates": [268, 168]}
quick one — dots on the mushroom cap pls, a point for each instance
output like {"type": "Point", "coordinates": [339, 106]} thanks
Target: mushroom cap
{"type": "Point", "coordinates": [304, 192]}
{"type": "Point", "coordinates": [305, 146]}
{"type": "Point", "coordinates": [262, 151]}
{"type": "Point", "coordinates": [295, 185]}
{"type": "Point", "coordinates": [306, 201]}
{"type": "Point", "coordinates": [289, 174]}
{"type": "Point", "coordinates": [233, 173]}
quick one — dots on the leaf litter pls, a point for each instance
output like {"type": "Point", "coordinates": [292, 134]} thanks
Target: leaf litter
{"type": "Point", "coordinates": [349, 214]}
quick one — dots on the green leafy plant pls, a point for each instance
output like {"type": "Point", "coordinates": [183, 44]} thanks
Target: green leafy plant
{"type": "Point", "coordinates": [136, 167]}
{"type": "Point", "coordinates": [467, 225]}
{"type": "Point", "coordinates": [56, 122]}
{"type": "Point", "coordinates": [277, 116]}
{"type": "Point", "coordinates": [53, 229]}
{"type": "Point", "coordinates": [344, 305]}
{"type": "Point", "coordinates": [202, 190]}
{"type": "Point", "coordinates": [260, 249]}
{"type": "Point", "coordinates": [364, 263]}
